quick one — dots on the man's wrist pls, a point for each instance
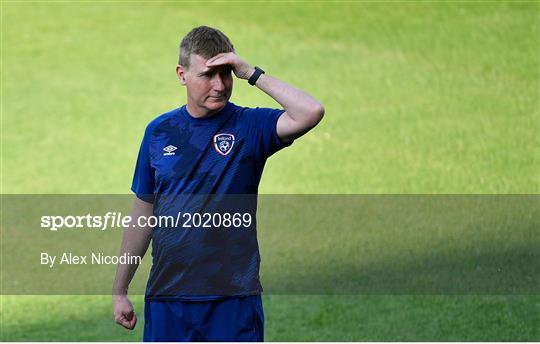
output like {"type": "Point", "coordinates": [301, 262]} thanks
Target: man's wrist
{"type": "Point", "coordinates": [257, 72]}
{"type": "Point", "coordinates": [248, 73]}
{"type": "Point", "coordinates": [117, 297]}
{"type": "Point", "coordinates": [119, 291]}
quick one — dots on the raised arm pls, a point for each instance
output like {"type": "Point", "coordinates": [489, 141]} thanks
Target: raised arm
{"type": "Point", "coordinates": [302, 111]}
{"type": "Point", "coordinates": [135, 242]}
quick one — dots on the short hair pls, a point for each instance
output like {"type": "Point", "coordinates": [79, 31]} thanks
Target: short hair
{"type": "Point", "coordinates": [204, 41]}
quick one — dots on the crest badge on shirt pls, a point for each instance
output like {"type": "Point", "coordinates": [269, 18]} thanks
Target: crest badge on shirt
{"type": "Point", "coordinates": [223, 143]}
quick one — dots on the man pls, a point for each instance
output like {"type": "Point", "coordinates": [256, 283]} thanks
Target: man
{"type": "Point", "coordinates": [204, 286]}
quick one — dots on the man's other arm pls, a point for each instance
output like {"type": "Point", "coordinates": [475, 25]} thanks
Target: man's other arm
{"type": "Point", "coordinates": [135, 242]}
{"type": "Point", "coordinates": [302, 111]}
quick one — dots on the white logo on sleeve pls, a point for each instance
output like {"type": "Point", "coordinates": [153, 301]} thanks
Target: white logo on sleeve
{"type": "Point", "coordinates": [169, 150]}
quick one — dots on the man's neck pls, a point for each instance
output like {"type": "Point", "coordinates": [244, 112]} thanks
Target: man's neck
{"type": "Point", "coordinates": [201, 113]}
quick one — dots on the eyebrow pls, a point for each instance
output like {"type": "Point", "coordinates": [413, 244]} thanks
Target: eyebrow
{"type": "Point", "coordinates": [216, 69]}
{"type": "Point", "coordinates": [207, 72]}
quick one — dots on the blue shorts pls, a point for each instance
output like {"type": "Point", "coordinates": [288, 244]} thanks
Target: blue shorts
{"type": "Point", "coordinates": [237, 319]}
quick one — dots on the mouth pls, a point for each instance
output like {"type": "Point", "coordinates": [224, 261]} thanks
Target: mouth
{"type": "Point", "coordinates": [216, 98]}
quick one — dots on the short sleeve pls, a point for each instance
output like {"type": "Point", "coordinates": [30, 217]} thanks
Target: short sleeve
{"type": "Point", "coordinates": [266, 119]}
{"type": "Point", "coordinates": [143, 177]}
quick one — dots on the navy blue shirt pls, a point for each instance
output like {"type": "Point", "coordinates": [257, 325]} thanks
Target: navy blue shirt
{"type": "Point", "coordinates": [182, 162]}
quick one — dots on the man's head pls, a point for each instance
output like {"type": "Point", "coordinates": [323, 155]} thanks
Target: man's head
{"type": "Point", "coordinates": [208, 89]}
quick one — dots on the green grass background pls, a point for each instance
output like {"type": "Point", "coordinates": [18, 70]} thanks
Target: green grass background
{"type": "Point", "coordinates": [420, 97]}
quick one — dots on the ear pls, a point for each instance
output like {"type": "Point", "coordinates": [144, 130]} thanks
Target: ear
{"type": "Point", "coordinates": [181, 74]}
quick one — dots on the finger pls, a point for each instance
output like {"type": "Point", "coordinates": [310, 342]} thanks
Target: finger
{"type": "Point", "coordinates": [129, 315]}
{"type": "Point", "coordinates": [129, 323]}
{"type": "Point", "coordinates": [216, 62]}
{"type": "Point", "coordinates": [122, 321]}
{"type": "Point", "coordinates": [133, 322]}
{"type": "Point", "coordinates": [213, 58]}
{"type": "Point", "coordinates": [210, 60]}
{"type": "Point", "coordinates": [127, 320]}
{"type": "Point", "coordinates": [220, 59]}
{"type": "Point", "coordinates": [217, 56]}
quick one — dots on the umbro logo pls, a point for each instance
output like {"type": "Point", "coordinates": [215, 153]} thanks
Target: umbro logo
{"type": "Point", "coordinates": [169, 150]}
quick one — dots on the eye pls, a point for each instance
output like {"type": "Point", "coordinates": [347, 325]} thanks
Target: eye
{"type": "Point", "coordinates": [226, 71]}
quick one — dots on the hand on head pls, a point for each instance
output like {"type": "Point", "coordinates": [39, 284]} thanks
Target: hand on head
{"type": "Point", "coordinates": [241, 69]}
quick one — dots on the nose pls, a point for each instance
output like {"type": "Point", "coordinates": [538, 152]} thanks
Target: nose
{"type": "Point", "coordinates": [217, 83]}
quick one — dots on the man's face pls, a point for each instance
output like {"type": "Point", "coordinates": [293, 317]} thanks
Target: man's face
{"type": "Point", "coordinates": [208, 89]}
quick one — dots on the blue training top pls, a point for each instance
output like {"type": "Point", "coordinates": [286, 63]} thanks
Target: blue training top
{"type": "Point", "coordinates": [183, 163]}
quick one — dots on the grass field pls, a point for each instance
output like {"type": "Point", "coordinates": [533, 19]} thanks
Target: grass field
{"type": "Point", "coordinates": [420, 97]}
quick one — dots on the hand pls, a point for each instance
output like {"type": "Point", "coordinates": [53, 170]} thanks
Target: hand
{"type": "Point", "coordinates": [124, 314]}
{"type": "Point", "coordinates": [241, 69]}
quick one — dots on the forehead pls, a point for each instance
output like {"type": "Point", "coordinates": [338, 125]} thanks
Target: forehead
{"type": "Point", "coordinates": [198, 66]}
{"type": "Point", "coordinates": [197, 62]}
